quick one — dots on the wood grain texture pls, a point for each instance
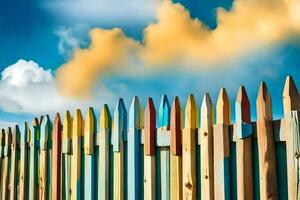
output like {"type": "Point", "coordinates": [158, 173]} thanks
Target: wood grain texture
{"type": "Point", "coordinates": [66, 155]}
{"type": "Point", "coordinates": [176, 151]}
{"type": "Point", "coordinates": [90, 131]}
{"type": "Point", "coordinates": [243, 147]}
{"type": "Point", "coordinates": [104, 137]}
{"type": "Point", "coordinates": [266, 145]}
{"type": "Point", "coordinates": [6, 164]}
{"type": "Point", "coordinates": [189, 150]}
{"type": "Point", "coordinates": [207, 162]}
{"type": "Point", "coordinates": [119, 131]}
{"type": "Point", "coordinates": [24, 163]}
{"type": "Point", "coordinates": [133, 138]}
{"type": "Point", "coordinates": [291, 107]}
{"type": "Point", "coordinates": [45, 158]}
{"type": "Point", "coordinates": [14, 166]}
{"type": "Point", "coordinates": [34, 158]}
{"type": "Point", "coordinates": [56, 158]}
{"type": "Point", "coordinates": [222, 148]}
{"type": "Point", "coordinates": [149, 151]}
{"type": "Point", "coordinates": [77, 181]}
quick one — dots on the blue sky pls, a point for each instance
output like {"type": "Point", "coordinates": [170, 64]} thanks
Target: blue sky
{"type": "Point", "coordinates": [46, 33]}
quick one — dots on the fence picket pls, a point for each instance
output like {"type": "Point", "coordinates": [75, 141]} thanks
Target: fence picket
{"type": "Point", "coordinates": [221, 148]}
{"type": "Point", "coordinates": [206, 146]}
{"type": "Point", "coordinates": [133, 142]}
{"type": "Point", "coordinates": [189, 149]}
{"type": "Point", "coordinates": [56, 158]}
{"type": "Point", "coordinates": [45, 158]}
{"type": "Point", "coordinates": [24, 163]}
{"type": "Point", "coordinates": [14, 166]}
{"type": "Point", "coordinates": [77, 181]}
{"type": "Point", "coordinates": [34, 158]}
{"type": "Point", "coordinates": [104, 144]}
{"type": "Point", "coordinates": [149, 151]}
{"type": "Point", "coordinates": [119, 131]}
{"type": "Point", "coordinates": [243, 146]}
{"type": "Point", "coordinates": [291, 105]}
{"type": "Point", "coordinates": [66, 155]}
{"type": "Point", "coordinates": [6, 165]}
{"type": "Point", "coordinates": [90, 130]}
{"type": "Point", "coordinates": [176, 151]}
{"type": "Point", "coordinates": [2, 145]}
{"type": "Point", "coordinates": [266, 145]}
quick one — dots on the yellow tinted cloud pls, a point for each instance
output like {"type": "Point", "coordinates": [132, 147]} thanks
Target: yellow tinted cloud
{"type": "Point", "coordinates": [248, 26]}
{"type": "Point", "coordinates": [108, 49]}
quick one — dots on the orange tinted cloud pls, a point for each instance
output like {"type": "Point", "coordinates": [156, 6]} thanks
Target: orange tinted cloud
{"type": "Point", "coordinates": [250, 25]}
{"type": "Point", "coordinates": [108, 49]}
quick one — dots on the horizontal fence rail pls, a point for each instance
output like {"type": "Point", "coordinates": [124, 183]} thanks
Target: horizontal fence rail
{"type": "Point", "coordinates": [131, 156]}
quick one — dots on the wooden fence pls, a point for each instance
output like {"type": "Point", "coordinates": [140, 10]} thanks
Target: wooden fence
{"type": "Point", "coordinates": [132, 158]}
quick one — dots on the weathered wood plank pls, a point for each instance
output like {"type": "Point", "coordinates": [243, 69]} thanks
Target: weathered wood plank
{"type": "Point", "coordinates": [149, 152]}
{"type": "Point", "coordinates": [90, 131]}
{"type": "Point", "coordinates": [189, 150]}
{"type": "Point", "coordinates": [34, 158]}
{"type": "Point", "coordinates": [66, 156]}
{"type": "Point", "coordinates": [6, 164]}
{"type": "Point", "coordinates": [291, 105]}
{"type": "Point", "coordinates": [207, 162]}
{"type": "Point", "coordinates": [56, 158]}
{"type": "Point", "coordinates": [45, 159]}
{"type": "Point", "coordinates": [243, 146]}
{"type": "Point", "coordinates": [119, 131]}
{"type": "Point", "coordinates": [104, 137]}
{"type": "Point", "coordinates": [176, 151]}
{"type": "Point", "coordinates": [77, 181]}
{"type": "Point", "coordinates": [24, 163]}
{"type": "Point", "coordinates": [222, 148]}
{"type": "Point", "coordinates": [266, 146]}
{"type": "Point", "coordinates": [14, 166]}
{"type": "Point", "coordinates": [133, 142]}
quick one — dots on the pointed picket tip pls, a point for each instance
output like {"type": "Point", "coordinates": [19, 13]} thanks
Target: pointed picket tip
{"type": "Point", "coordinates": [207, 110]}
{"type": "Point", "coordinates": [57, 120]}
{"type": "Point", "coordinates": [105, 117]}
{"type": "Point", "coordinates": [223, 107]}
{"type": "Point", "coordinates": [135, 114]}
{"type": "Point", "coordinates": [164, 112]}
{"type": "Point", "coordinates": [78, 124]}
{"type": "Point", "coordinates": [90, 122]}
{"type": "Point", "coordinates": [35, 122]}
{"type": "Point", "coordinates": [176, 127]}
{"type": "Point", "coordinates": [264, 103]}
{"type": "Point", "coordinates": [150, 126]}
{"type": "Point", "coordinates": [291, 98]}
{"type": "Point", "coordinates": [67, 126]}
{"type": "Point", "coordinates": [242, 106]}
{"type": "Point", "coordinates": [8, 135]}
{"type": "Point", "coordinates": [191, 113]}
{"type": "Point", "coordinates": [27, 133]}
{"type": "Point", "coordinates": [119, 125]}
{"type": "Point", "coordinates": [16, 132]}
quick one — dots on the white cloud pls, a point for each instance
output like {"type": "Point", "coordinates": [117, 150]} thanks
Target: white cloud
{"type": "Point", "coordinates": [71, 38]}
{"type": "Point", "coordinates": [25, 87]}
{"type": "Point", "coordinates": [6, 124]}
{"type": "Point", "coordinates": [103, 11]}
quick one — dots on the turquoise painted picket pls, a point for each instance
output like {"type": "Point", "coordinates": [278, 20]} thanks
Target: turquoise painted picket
{"type": "Point", "coordinates": [166, 156]}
